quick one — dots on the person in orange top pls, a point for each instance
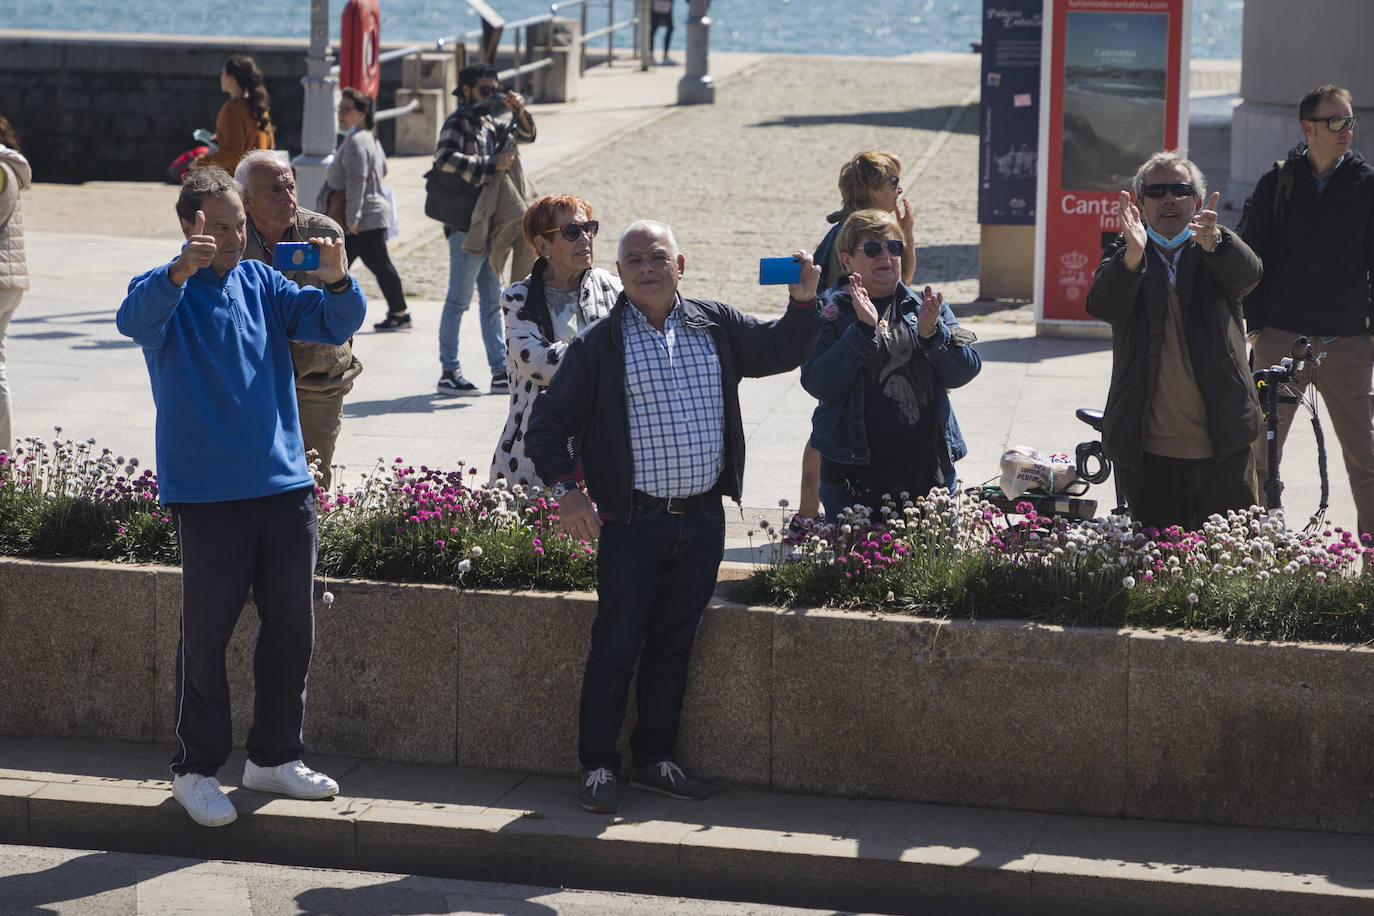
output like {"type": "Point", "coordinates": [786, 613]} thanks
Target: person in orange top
{"type": "Point", "coordinates": [244, 122]}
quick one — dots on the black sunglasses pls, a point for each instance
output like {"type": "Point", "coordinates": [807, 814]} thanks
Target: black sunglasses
{"type": "Point", "coordinates": [1178, 189]}
{"type": "Point", "coordinates": [872, 247]}
{"type": "Point", "coordinates": [485, 92]}
{"type": "Point", "coordinates": [572, 230]}
{"type": "Point", "coordinates": [1336, 124]}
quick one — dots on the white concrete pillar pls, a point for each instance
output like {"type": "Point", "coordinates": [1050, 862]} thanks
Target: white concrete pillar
{"type": "Point", "coordinates": [318, 125]}
{"type": "Point", "coordinates": [696, 85]}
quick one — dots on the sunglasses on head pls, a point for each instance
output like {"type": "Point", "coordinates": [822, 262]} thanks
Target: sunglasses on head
{"type": "Point", "coordinates": [872, 247]}
{"type": "Point", "coordinates": [1336, 124]}
{"type": "Point", "coordinates": [1178, 189]}
{"type": "Point", "coordinates": [574, 229]}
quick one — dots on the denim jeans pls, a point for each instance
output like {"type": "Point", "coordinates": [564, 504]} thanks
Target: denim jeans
{"type": "Point", "coordinates": [467, 272]}
{"type": "Point", "coordinates": [655, 577]}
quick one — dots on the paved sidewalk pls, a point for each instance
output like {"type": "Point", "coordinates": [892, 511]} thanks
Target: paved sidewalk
{"type": "Point", "coordinates": [740, 844]}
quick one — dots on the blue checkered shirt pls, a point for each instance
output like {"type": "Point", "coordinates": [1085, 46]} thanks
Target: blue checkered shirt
{"type": "Point", "coordinates": [675, 405]}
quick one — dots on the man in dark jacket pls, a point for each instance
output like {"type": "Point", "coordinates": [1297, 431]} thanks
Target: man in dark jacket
{"type": "Point", "coordinates": [648, 400]}
{"type": "Point", "coordinates": [1312, 221]}
{"type": "Point", "coordinates": [1182, 411]}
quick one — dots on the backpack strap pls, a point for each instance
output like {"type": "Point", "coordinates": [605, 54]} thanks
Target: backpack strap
{"type": "Point", "coordinates": [1283, 190]}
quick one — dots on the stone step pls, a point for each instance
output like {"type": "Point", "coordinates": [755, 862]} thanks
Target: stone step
{"type": "Point", "coordinates": [741, 844]}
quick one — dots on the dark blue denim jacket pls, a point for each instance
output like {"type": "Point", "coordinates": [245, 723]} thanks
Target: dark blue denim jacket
{"type": "Point", "coordinates": [834, 374]}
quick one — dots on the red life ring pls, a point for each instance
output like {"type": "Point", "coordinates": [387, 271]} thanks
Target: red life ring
{"type": "Point", "coordinates": [359, 65]}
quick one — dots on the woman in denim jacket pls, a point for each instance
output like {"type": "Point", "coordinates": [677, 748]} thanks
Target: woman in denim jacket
{"type": "Point", "coordinates": [882, 369]}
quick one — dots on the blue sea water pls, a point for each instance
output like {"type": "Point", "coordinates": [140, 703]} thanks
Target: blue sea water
{"type": "Point", "coordinates": [792, 26]}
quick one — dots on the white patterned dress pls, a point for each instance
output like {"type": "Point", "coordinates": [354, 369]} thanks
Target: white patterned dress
{"type": "Point", "coordinates": [538, 328]}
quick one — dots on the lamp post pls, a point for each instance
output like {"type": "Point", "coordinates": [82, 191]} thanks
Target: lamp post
{"type": "Point", "coordinates": [696, 85]}
{"type": "Point", "coordinates": [317, 127]}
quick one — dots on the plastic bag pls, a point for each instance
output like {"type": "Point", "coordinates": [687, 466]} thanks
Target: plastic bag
{"type": "Point", "coordinates": [1024, 468]}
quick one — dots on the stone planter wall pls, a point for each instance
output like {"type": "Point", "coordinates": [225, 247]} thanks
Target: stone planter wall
{"type": "Point", "coordinates": [1154, 725]}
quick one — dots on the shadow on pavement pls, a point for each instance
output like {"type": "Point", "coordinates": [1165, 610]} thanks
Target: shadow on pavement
{"type": "Point", "coordinates": [935, 117]}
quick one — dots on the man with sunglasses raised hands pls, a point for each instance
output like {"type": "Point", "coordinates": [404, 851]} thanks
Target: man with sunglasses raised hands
{"type": "Point", "coordinates": [1311, 218]}
{"type": "Point", "coordinates": [646, 401]}
{"type": "Point", "coordinates": [473, 146]}
{"type": "Point", "coordinates": [1182, 410]}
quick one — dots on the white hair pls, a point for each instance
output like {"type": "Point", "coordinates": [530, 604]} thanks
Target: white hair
{"type": "Point", "coordinates": [650, 225]}
{"type": "Point", "coordinates": [1170, 159]}
{"type": "Point", "coordinates": [252, 160]}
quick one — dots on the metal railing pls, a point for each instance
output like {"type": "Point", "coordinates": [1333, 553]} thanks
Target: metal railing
{"type": "Point", "coordinates": [520, 45]}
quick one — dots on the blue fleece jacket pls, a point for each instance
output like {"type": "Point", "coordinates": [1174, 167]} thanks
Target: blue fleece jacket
{"type": "Point", "coordinates": [220, 367]}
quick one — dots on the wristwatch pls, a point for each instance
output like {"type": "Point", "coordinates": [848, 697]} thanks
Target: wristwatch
{"type": "Point", "coordinates": [560, 489]}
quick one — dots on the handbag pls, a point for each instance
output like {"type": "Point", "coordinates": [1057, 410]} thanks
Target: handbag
{"type": "Point", "coordinates": [330, 202]}
{"type": "Point", "coordinates": [450, 199]}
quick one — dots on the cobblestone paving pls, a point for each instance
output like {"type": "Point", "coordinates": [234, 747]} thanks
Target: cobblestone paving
{"type": "Point", "coordinates": [754, 174]}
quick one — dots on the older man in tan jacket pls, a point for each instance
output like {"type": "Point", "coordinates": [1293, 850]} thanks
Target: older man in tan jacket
{"type": "Point", "coordinates": [324, 373]}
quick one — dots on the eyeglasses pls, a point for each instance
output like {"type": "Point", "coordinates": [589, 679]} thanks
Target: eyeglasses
{"type": "Point", "coordinates": [872, 247]}
{"type": "Point", "coordinates": [571, 231]}
{"type": "Point", "coordinates": [1178, 189]}
{"type": "Point", "coordinates": [1336, 124]}
{"type": "Point", "coordinates": [485, 92]}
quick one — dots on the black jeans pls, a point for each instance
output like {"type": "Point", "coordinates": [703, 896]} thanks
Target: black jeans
{"type": "Point", "coordinates": [267, 544]}
{"type": "Point", "coordinates": [370, 245]}
{"type": "Point", "coordinates": [655, 575]}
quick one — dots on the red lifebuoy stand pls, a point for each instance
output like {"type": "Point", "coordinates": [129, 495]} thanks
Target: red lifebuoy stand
{"type": "Point", "coordinates": [359, 66]}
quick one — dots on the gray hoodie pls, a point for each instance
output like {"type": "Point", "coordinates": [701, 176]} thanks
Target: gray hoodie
{"type": "Point", "coordinates": [14, 272]}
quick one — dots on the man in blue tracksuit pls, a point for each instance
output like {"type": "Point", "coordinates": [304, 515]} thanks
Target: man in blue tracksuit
{"type": "Point", "coordinates": [232, 473]}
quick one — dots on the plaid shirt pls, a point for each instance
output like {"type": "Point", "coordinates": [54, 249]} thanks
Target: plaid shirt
{"type": "Point", "coordinates": [675, 406]}
{"type": "Point", "coordinates": [467, 144]}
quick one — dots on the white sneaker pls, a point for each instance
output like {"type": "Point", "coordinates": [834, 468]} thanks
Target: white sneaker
{"type": "Point", "coordinates": [203, 799]}
{"type": "Point", "coordinates": [294, 779]}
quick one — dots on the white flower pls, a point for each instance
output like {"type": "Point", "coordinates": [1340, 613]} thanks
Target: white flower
{"type": "Point", "coordinates": [476, 552]}
{"type": "Point", "coordinates": [891, 597]}
{"type": "Point", "coordinates": [1192, 597]}
{"type": "Point", "coordinates": [464, 565]}
{"type": "Point", "coordinates": [1128, 582]}
{"type": "Point", "coordinates": [327, 598]}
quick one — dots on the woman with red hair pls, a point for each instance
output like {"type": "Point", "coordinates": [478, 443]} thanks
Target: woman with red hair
{"type": "Point", "coordinates": [562, 295]}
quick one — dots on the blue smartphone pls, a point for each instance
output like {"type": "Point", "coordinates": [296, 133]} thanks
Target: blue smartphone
{"type": "Point", "coordinates": [776, 271]}
{"type": "Point", "coordinates": [295, 256]}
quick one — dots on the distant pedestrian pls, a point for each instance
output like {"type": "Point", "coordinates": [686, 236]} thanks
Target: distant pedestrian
{"type": "Point", "coordinates": [661, 17]}
{"type": "Point", "coordinates": [1312, 221]}
{"type": "Point", "coordinates": [472, 149]}
{"type": "Point", "coordinates": [15, 176]}
{"type": "Point", "coordinates": [646, 401]}
{"type": "Point", "coordinates": [563, 295]}
{"type": "Point", "coordinates": [358, 169]}
{"type": "Point", "coordinates": [324, 372]}
{"type": "Point", "coordinates": [232, 474]}
{"type": "Point", "coordinates": [1182, 410]}
{"type": "Point", "coordinates": [245, 121]}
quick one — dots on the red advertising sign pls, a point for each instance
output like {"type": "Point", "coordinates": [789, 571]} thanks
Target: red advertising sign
{"type": "Point", "coordinates": [1114, 85]}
